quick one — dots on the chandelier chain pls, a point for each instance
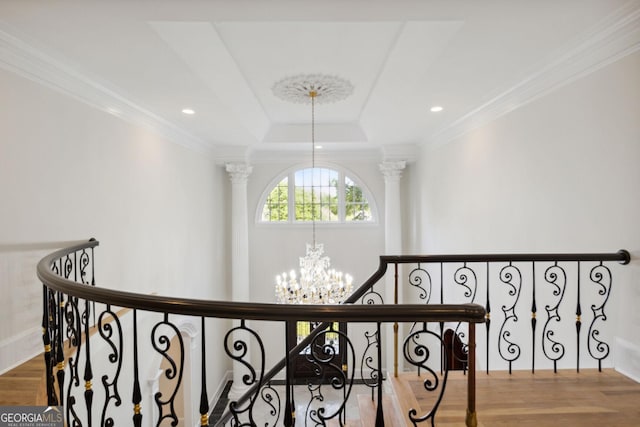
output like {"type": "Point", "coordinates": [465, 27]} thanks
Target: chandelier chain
{"type": "Point", "coordinates": [312, 95]}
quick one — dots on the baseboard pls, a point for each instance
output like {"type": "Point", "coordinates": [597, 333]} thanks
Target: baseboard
{"type": "Point", "coordinates": [627, 359]}
{"type": "Point", "coordinates": [228, 376]}
{"type": "Point", "coordinates": [20, 348]}
{"type": "Point", "coordinates": [218, 403]}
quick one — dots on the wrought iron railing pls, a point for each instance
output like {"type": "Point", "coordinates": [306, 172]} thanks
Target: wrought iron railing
{"type": "Point", "coordinates": [546, 278]}
{"type": "Point", "coordinates": [502, 281]}
{"type": "Point", "coordinates": [71, 300]}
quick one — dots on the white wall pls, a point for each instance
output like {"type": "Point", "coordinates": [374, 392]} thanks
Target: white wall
{"type": "Point", "coordinates": [560, 174]}
{"type": "Point", "coordinates": [70, 172]}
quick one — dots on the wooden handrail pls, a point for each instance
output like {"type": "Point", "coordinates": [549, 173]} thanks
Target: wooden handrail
{"type": "Point", "coordinates": [473, 313]}
{"type": "Point", "coordinates": [623, 256]}
{"type": "Point", "coordinates": [340, 312]}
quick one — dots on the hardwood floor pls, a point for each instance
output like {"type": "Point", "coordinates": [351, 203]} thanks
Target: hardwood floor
{"type": "Point", "coordinates": [24, 385]}
{"type": "Point", "coordinates": [566, 399]}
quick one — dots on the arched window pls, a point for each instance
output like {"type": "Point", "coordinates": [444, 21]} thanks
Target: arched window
{"type": "Point", "coordinates": [323, 194]}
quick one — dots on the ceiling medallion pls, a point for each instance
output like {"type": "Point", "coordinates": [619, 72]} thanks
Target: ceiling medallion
{"type": "Point", "coordinates": [325, 88]}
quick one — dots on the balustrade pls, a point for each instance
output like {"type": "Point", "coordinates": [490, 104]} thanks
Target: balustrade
{"type": "Point", "coordinates": [519, 285]}
{"type": "Point", "coordinates": [74, 308]}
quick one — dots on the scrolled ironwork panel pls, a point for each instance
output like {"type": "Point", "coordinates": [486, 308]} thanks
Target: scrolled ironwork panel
{"type": "Point", "coordinates": [68, 267]}
{"type": "Point", "coordinates": [419, 356]}
{"type": "Point", "coordinates": [368, 362]}
{"type": "Point", "coordinates": [554, 350]}
{"type": "Point", "coordinates": [420, 279]}
{"type": "Point", "coordinates": [271, 399]}
{"type": "Point", "coordinates": [311, 412]}
{"type": "Point", "coordinates": [599, 349]}
{"type": "Point", "coordinates": [161, 335]}
{"type": "Point", "coordinates": [372, 297]}
{"type": "Point", "coordinates": [110, 330]}
{"type": "Point", "coordinates": [83, 263]}
{"type": "Point", "coordinates": [510, 351]}
{"type": "Point", "coordinates": [74, 335]}
{"type": "Point", "coordinates": [329, 368]}
{"type": "Point", "coordinates": [369, 355]}
{"type": "Point", "coordinates": [238, 350]}
{"type": "Point", "coordinates": [465, 277]}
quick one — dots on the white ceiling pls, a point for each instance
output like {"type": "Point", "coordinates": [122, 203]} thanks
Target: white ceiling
{"type": "Point", "coordinates": [147, 60]}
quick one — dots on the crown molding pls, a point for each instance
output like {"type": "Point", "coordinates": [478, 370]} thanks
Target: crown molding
{"type": "Point", "coordinates": [31, 63]}
{"type": "Point", "coordinates": [273, 155]}
{"type": "Point", "coordinates": [611, 39]}
{"type": "Point", "coordinates": [224, 154]}
{"type": "Point", "coordinates": [400, 152]}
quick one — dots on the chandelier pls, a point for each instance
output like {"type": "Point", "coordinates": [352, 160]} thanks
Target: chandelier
{"type": "Point", "coordinates": [316, 282]}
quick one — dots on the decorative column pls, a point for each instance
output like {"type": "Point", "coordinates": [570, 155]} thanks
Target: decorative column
{"type": "Point", "coordinates": [392, 172]}
{"type": "Point", "coordinates": [239, 174]}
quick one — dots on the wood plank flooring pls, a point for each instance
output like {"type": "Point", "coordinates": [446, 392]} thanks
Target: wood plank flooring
{"type": "Point", "coordinates": [24, 385]}
{"type": "Point", "coordinates": [567, 399]}
{"type": "Point", "coordinates": [588, 398]}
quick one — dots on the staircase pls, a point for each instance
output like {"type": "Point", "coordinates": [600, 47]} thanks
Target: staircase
{"type": "Point", "coordinates": [367, 409]}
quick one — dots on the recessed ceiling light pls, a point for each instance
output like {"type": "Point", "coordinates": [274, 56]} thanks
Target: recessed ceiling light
{"type": "Point", "coordinates": [188, 111]}
{"type": "Point", "coordinates": [436, 109]}
{"type": "Point", "coordinates": [318, 147]}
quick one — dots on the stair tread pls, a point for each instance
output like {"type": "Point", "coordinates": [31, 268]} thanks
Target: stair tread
{"type": "Point", "coordinates": [368, 409]}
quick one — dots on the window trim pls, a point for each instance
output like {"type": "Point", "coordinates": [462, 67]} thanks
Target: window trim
{"type": "Point", "coordinates": [342, 174]}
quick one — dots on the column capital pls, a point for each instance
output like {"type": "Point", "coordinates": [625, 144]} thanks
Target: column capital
{"type": "Point", "coordinates": [238, 172]}
{"type": "Point", "coordinates": [393, 169]}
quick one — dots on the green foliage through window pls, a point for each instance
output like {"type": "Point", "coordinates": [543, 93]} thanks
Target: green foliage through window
{"type": "Point", "coordinates": [356, 206]}
{"type": "Point", "coordinates": [276, 208]}
{"type": "Point", "coordinates": [318, 193]}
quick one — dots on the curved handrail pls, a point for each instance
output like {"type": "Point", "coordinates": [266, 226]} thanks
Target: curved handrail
{"type": "Point", "coordinates": [249, 310]}
{"type": "Point", "coordinates": [346, 312]}
{"type": "Point", "coordinates": [329, 312]}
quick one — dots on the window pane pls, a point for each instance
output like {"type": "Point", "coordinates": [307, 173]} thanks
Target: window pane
{"type": "Point", "coordinates": [303, 329]}
{"type": "Point", "coordinates": [356, 206]}
{"type": "Point", "coordinates": [317, 197]}
{"type": "Point", "coordinates": [276, 207]}
{"type": "Point", "coordinates": [316, 191]}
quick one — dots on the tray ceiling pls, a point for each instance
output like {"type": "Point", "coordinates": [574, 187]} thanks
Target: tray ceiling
{"type": "Point", "coordinates": [146, 61]}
